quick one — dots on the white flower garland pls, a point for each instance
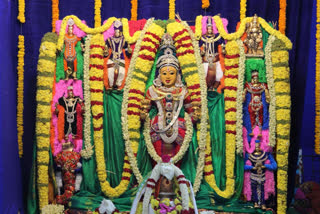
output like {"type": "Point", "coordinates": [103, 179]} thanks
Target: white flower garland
{"type": "Point", "coordinates": [185, 144]}
{"type": "Point", "coordinates": [154, 177]}
{"type": "Point", "coordinates": [204, 135]}
{"type": "Point", "coordinates": [87, 152]}
{"type": "Point", "coordinates": [270, 81]}
{"type": "Point", "coordinates": [239, 113]}
{"type": "Point", "coordinates": [124, 118]}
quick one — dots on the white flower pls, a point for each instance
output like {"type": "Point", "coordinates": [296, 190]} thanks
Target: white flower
{"type": "Point", "coordinates": [106, 206]}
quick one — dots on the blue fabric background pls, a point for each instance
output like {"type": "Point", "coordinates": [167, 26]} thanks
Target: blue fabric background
{"type": "Point", "coordinates": [14, 173]}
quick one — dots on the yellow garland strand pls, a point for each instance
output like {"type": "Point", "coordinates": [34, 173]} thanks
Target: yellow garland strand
{"type": "Point", "coordinates": [97, 30]}
{"type": "Point", "coordinates": [134, 10]}
{"type": "Point", "coordinates": [317, 83]}
{"type": "Point", "coordinates": [46, 69]}
{"type": "Point", "coordinates": [242, 28]}
{"type": "Point", "coordinates": [243, 9]}
{"type": "Point", "coordinates": [21, 8]}
{"type": "Point", "coordinates": [97, 44]}
{"type": "Point", "coordinates": [282, 16]}
{"type": "Point", "coordinates": [198, 27]}
{"type": "Point", "coordinates": [205, 4]}
{"type": "Point", "coordinates": [20, 107]}
{"type": "Point", "coordinates": [97, 13]}
{"type": "Point", "coordinates": [55, 14]}
{"type": "Point", "coordinates": [172, 9]}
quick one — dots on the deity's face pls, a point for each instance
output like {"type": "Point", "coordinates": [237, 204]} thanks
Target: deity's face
{"type": "Point", "coordinates": [70, 93]}
{"type": "Point", "coordinates": [209, 30]}
{"type": "Point", "coordinates": [70, 30]}
{"type": "Point", "coordinates": [117, 32]}
{"type": "Point", "coordinates": [257, 149]}
{"type": "Point", "coordinates": [254, 79]}
{"type": "Point", "coordinates": [168, 76]}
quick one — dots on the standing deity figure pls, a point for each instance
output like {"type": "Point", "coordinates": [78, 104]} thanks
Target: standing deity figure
{"type": "Point", "coordinates": [70, 111]}
{"type": "Point", "coordinates": [209, 44]}
{"type": "Point", "coordinates": [116, 50]}
{"type": "Point", "coordinates": [70, 54]}
{"type": "Point", "coordinates": [68, 173]}
{"type": "Point", "coordinates": [168, 95]}
{"type": "Point", "coordinates": [256, 93]}
{"type": "Point", "coordinates": [254, 38]}
{"type": "Point", "coordinates": [260, 165]}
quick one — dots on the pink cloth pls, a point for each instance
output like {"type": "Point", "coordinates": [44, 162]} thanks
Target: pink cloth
{"type": "Point", "coordinates": [108, 33]}
{"type": "Point", "coordinates": [76, 30]}
{"type": "Point", "coordinates": [61, 90]}
{"type": "Point", "coordinates": [249, 148]}
{"type": "Point", "coordinates": [215, 30]}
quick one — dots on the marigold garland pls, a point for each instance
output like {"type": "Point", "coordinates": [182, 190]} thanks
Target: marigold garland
{"type": "Point", "coordinates": [243, 9]}
{"type": "Point", "coordinates": [55, 13]}
{"type": "Point", "coordinates": [96, 86]}
{"type": "Point", "coordinates": [205, 4]}
{"type": "Point", "coordinates": [172, 9]}
{"type": "Point", "coordinates": [46, 69]}
{"type": "Point", "coordinates": [20, 107]}
{"type": "Point", "coordinates": [135, 86]}
{"type": "Point", "coordinates": [126, 34]}
{"type": "Point", "coordinates": [87, 152]}
{"type": "Point", "coordinates": [317, 84]}
{"type": "Point", "coordinates": [97, 13]}
{"type": "Point", "coordinates": [198, 27]}
{"type": "Point", "coordinates": [282, 16]}
{"type": "Point", "coordinates": [134, 10]}
{"type": "Point", "coordinates": [21, 8]}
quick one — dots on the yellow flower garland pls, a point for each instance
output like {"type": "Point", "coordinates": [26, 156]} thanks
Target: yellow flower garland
{"type": "Point", "coordinates": [282, 16]}
{"type": "Point", "coordinates": [317, 83]}
{"type": "Point", "coordinates": [172, 9]}
{"type": "Point", "coordinates": [198, 27]}
{"type": "Point", "coordinates": [96, 30]}
{"type": "Point", "coordinates": [134, 10]}
{"type": "Point", "coordinates": [243, 9]}
{"type": "Point", "coordinates": [46, 69]}
{"type": "Point", "coordinates": [281, 72]}
{"type": "Point", "coordinates": [97, 13]}
{"type": "Point", "coordinates": [21, 8]}
{"type": "Point", "coordinates": [205, 4]}
{"type": "Point", "coordinates": [96, 83]}
{"type": "Point", "coordinates": [242, 28]}
{"type": "Point", "coordinates": [20, 107]}
{"type": "Point", "coordinates": [55, 14]}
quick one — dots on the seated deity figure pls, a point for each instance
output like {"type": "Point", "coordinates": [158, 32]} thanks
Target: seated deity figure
{"type": "Point", "coordinates": [256, 93]}
{"type": "Point", "coordinates": [70, 53]}
{"type": "Point", "coordinates": [116, 50]}
{"type": "Point", "coordinates": [254, 38]}
{"type": "Point", "coordinates": [70, 111]}
{"type": "Point", "coordinates": [68, 173]}
{"type": "Point", "coordinates": [168, 95]}
{"type": "Point", "coordinates": [260, 182]}
{"type": "Point", "coordinates": [209, 44]}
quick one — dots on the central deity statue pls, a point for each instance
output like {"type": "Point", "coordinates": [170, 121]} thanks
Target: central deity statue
{"type": "Point", "coordinates": [169, 96]}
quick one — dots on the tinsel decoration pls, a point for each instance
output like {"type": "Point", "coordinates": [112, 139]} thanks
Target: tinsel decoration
{"type": "Point", "coordinates": [20, 107]}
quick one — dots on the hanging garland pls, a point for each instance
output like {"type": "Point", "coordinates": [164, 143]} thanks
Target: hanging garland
{"type": "Point", "coordinates": [243, 9]}
{"type": "Point", "coordinates": [282, 16]}
{"type": "Point", "coordinates": [21, 8]}
{"type": "Point", "coordinates": [172, 9]}
{"type": "Point", "coordinates": [198, 27]}
{"type": "Point", "coordinates": [134, 10]}
{"type": "Point", "coordinates": [205, 4]}
{"type": "Point", "coordinates": [55, 14]}
{"type": "Point", "coordinates": [96, 89]}
{"type": "Point", "coordinates": [46, 70]}
{"type": "Point", "coordinates": [138, 73]}
{"type": "Point", "coordinates": [281, 75]}
{"type": "Point", "coordinates": [317, 83]}
{"type": "Point", "coordinates": [87, 152]}
{"type": "Point", "coordinates": [126, 34]}
{"type": "Point", "coordinates": [20, 107]}
{"type": "Point", "coordinates": [97, 13]}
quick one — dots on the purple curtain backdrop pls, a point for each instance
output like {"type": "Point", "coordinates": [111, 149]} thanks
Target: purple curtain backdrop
{"type": "Point", "coordinates": [38, 22]}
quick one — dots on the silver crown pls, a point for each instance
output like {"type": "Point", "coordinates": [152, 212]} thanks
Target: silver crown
{"type": "Point", "coordinates": [70, 22]}
{"type": "Point", "coordinates": [167, 59]}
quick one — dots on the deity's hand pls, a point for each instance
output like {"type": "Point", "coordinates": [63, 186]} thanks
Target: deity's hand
{"type": "Point", "coordinates": [143, 114]}
{"type": "Point", "coordinates": [106, 51]}
{"type": "Point", "coordinates": [196, 106]}
{"type": "Point", "coordinates": [129, 49]}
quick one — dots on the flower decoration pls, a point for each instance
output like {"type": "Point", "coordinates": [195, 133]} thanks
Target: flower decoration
{"type": "Point", "coordinates": [55, 13]}
{"type": "Point", "coordinates": [282, 16]}
{"type": "Point", "coordinates": [317, 84]}
{"type": "Point", "coordinates": [21, 11]}
{"type": "Point", "coordinates": [205, 4]}
{"type": "Point", "coordinates": [97, 13]}
{"type": "Point", "coordinates": [172, 9]}
{"type": "Point", "coordinates": [20, 87]}
{"type": "Point", "coordinates": [243, 9]}
{"type": "Point", "coordinates": [134, 10]}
